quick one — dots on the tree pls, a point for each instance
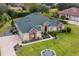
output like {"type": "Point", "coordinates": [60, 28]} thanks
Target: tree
{"type": "Point", "coordinates": [3, 8]}
{"type": "Point", "coordinates": [5, 17]}
{"type": "Point", "coordinates": [35, 8]}
{"type": "Point", "coordinates": [62, 6]}
{"type": "Point", "coordinates": [43, 9]}
{"type": "Point", "coordinates": [12, 13]}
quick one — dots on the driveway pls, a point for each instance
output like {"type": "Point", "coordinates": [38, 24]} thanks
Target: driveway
{"type": "Point", "coordinates": [73, 22]}
{"type": "Point", "coordinates": [7, 43]}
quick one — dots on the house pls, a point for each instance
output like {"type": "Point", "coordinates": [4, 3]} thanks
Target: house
{"type": "Point", "coordinates": [49, 5]}
{"type": "Point", "coordinates": [15, 8]}
{"type": "Point", "coordinates": [33, 25]}
{"type": "Point", "coordinates": [71, 13]}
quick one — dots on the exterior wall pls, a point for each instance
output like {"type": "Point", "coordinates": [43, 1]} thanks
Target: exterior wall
{"type": "Point", "coordinates": [74, 18]}
{"type": "Point", "coordinates": [26, 37]}
{"type": "Point", "coordinates": [52, 28]}
{"type": "Point", "coordinates": [42, 29]}
{"type": "Point", "coordinates": [39, 34]}
{"type": "Point", "coordinates": [60, 27]}
{"type": "Point", "coordinates": [20, 33]}
{"type": "Point", "coordinates": [70, 17]}
{"type": "Point", "coordinates": [56, 28]}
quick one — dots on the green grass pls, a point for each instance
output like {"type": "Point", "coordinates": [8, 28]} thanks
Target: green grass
{"type": "Point", "coordinates": [23, 11]}
{"type": "Point", "coordinates": [51, 12]}
{"type": "Point", "coordinates": [5, 27]}
{"type": "Point", "coordinates": [65, 45]}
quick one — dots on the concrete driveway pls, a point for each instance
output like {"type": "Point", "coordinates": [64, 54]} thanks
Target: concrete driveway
{"type": "Point", "coordinates": [7, 43]}
{"type": "Point", "coordinates": [73, 22]}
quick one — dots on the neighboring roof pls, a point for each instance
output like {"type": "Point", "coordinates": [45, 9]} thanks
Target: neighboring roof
{"type": "Point", "coordinates": [71, 11]}
{"type": "Point", "coordinates": [33, 20]}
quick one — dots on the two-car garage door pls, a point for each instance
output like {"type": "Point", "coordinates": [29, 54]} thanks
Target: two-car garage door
{"type": "Point", "coordinates": [74, 18]}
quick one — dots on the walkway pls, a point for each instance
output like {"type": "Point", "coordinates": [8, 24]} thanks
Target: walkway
{"type": "Point", "coordinates": [7, 43]}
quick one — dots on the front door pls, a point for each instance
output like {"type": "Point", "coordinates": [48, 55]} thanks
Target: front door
{"type": "Point", "coordinates": [45, 28]}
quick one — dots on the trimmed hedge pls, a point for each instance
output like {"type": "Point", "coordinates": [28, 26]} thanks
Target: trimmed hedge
{"type": "Point", "coordinates": [67, 30]}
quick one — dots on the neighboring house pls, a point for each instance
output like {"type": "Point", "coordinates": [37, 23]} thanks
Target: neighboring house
{"type": "Point", "coordinates": [71, 13]}
{"type": "Point", "coordinates": [48, 5]}
{"type": "Point", "coordinates": [31, 27]}
{"type": "Point", "coordinates": [15, 8]}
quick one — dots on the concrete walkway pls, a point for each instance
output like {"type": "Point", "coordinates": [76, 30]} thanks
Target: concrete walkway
{"type": "Point", "coordinates": [72, 22]}
{"type": "Point", "coordinates": [7, 43]}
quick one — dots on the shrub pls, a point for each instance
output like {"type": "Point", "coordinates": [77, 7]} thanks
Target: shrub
{"type": "Point", "coordinates": [22, 14]}
{"type": "Point", "coordinates": [53, 33]}
{"type": "Point", "coordinates": [68, 29]}
{"type": "Point", "coordinates": [62, 17]}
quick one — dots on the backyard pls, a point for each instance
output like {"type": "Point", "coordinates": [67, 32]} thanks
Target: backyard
{"type": "Point", "coordinates": [67, 44]}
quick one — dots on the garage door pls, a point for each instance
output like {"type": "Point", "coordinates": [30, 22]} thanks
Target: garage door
{"type": "Point", "coordinates": [75, 19]}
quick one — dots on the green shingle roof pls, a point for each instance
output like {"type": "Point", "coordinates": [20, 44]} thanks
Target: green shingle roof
{"type": "Point", "coordinates": [54, 22]}
{"type": "Point", "coordinates": [26, 23]}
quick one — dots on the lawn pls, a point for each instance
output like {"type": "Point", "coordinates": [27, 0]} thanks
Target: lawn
{"type": "Point", "coordinates": [65, 45]}
{"type": "Point", "coordinates": [6, 26]}
{"type": "Point", "coordinates": [51, 12]}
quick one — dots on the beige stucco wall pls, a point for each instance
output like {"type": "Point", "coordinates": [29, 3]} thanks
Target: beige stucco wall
{"type": "Point", "coordinates": [55, 28]}
{"type": "Point", "coordinates": [42, 28]}
{"type": "Point", "coordinates": [25, 36]}
{"type": "Point", "coordinates": [39, 34]}
{"type": "Point", "coordinates": [52, 28]}
{"type": "Point", "coordinates": [62, 26]}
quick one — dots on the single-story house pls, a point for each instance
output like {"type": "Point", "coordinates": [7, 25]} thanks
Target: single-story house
{"type": "Point", "coordinates": [33, 25]}
{"type": "Point", "coordinates": [70, 13]}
